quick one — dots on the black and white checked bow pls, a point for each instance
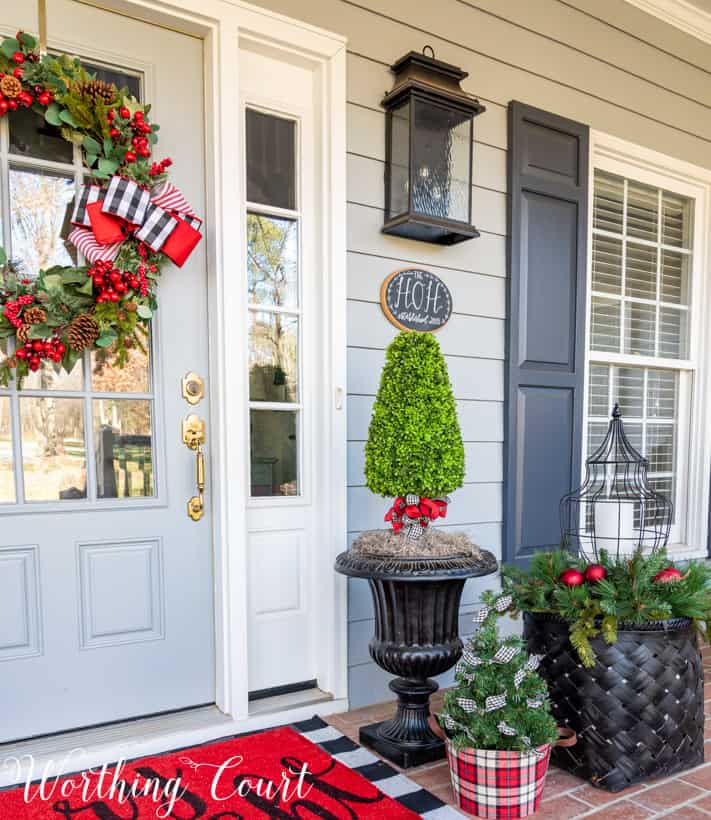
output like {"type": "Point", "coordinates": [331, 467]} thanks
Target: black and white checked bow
{"type": "Point", "coordinates": [494, 702]}
{"type": "Point", "coordinates": [468, 705]}
{"type": "Point", "coordinates": [501, 604]}
{"type": "Point", "coordinates": [533, 662]}
{"type": "Point", "coordinates": [505, 729]}
{"type": "Point", "coordinates": [471, 659]}
{"type": "Point", "coordinates": [519, 676]}
{"type": "Point", "coordinates": [535, 703]}
{"type": "Point", "coordinates": [505, 654]}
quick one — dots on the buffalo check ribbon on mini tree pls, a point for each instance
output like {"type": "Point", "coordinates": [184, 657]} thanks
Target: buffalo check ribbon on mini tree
{"type": "Point", "coordinates": [160, 218]}
{"type": "Point", "coordinates": [413, 513]}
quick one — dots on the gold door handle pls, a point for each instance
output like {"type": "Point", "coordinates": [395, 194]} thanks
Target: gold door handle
{"type": "Point", "coordinates": [194, 438]}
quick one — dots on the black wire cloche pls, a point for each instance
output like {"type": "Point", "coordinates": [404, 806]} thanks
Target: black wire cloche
{"type": "Point", "coordinates": [615, 509]}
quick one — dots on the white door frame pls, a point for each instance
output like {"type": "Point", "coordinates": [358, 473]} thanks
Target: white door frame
{"type": "Point", "coordinates": [220, 25]}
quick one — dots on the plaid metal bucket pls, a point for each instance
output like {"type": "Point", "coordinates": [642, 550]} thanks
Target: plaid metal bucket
{"type": "Point", "coordinates": [490, 783]}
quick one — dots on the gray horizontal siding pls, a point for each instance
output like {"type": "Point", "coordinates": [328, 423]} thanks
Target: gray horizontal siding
{"type": "Point", "coordinates": [603, 62]}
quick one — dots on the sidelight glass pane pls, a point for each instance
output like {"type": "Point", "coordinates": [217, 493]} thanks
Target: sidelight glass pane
{"type": "Point", "coordinates": [273, 357]}
{"type": "Point", "coordinates": [274, 465]}
{"type": "Point", "coordinates": [134, 377]}
{"type": "Point", "coordinates": [271, 160]}
{"type": "Point", "coordinates": [49, 377]}
{"type": "Point", "coordinates": [53, 450]}
{"type": "Point", "coordinates": [7, 477]}
{"type": "Point", "coordinates": [32, 136]}
{"type": "Point", "coordinates": [272, 261]}
{"type": "Point", "coordinates": [124, 448]}
{"type": "Point", "coordinates": [39, 204]}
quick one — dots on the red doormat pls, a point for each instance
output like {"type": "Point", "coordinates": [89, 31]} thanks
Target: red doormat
{"type": "Point", "coordinates": [305, 772]}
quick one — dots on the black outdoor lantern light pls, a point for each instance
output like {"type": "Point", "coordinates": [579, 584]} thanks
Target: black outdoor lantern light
{"type": "Point", "coordinates": [616, 509]}
{"type": "Point", "coordinates": [428, 145]}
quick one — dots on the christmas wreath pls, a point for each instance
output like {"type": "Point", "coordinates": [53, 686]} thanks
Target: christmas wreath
{"type": "Point", "coordinates": [128, 220]}
{"type": "Point", "coordinates": [596, 598]}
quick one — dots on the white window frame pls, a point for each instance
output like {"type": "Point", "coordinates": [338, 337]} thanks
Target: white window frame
{"type": "Point", "coordinates": [607, 153]}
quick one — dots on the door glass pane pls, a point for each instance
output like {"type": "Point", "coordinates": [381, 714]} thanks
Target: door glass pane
{"type": "Point", "coordinates": [271, 160]}
{"type": "Point", "coordinates": [119, 78]}
{"type": "Point", "coordinates": [32, 136]}
{"type": "Point", "coordinates": [135, 377]}
{"type": "Point", "coordinates": [39, 203]}
{"type": "Point", "coordinates": [53, 450]}
{"type": "Point", "coordinates": [124, 448]}
{"type": "Point", "coordinates": [273, 362]}
{"type": "Point", "coordinates": [48, 377]}
{"type": "Point", "coordinates": [274, 449]}
{"type": "Point", "coordinates": [272, 260]}
{"type": "Point", "coordinates": [7, 478]}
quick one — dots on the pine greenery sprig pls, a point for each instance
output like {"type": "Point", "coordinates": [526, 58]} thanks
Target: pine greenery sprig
{"type": "Point", "coordinates": [479, 729]}
{"type": "Point", "coordinates": [630, 594]}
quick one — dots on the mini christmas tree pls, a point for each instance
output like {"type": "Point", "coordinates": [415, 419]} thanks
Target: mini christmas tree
{"type": "Point", "coordinates": [500, 702]}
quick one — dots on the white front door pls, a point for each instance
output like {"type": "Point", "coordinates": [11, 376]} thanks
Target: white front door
{"type": "Point", "coordinates": [106, 602]}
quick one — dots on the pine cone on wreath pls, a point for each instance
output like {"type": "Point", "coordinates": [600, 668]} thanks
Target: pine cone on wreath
{"type": "Point", "coordinates": [22, 334]}
{"type": "Point", "coordinates": [10, 86]}
{"type": "Point", "coordinates": [83, 332]}
{"type": "Point", "coordinates": [34, 316]}
{"type": "Point", "coordinates": [98, 89]}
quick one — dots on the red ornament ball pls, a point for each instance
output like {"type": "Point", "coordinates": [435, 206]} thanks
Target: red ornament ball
{"type": "Point", "coordinates": [595, 573]}
{"type": "Point", "coordinates": [18, 58]}
{"type": "Point", "coordinates": [667, 576]}
{"type": "Point", "coordinates": [572, 577]}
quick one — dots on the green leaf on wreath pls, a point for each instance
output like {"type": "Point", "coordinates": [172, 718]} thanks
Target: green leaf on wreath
{"type": "Point", "coordinates": [108, 146]}
{"type": "Point", "coordinates": [87, 287]}
{"type": "Point", "coordinates": [108, 166]}
{"type": "Point", "coordinates": [107, 338]}
{"type": "Point", "coordinates": [27, 40]}
{"type": "Point", "coordinates": [71, 357]}
{"type": "Point", "coordinates": [9, 46]}
{"type": "Point", "coordinates": [90, 159]}
{"type": "Point", "coordinates": [3, 256]}
{"type": "Point", "coordinates": [40, 331]}
{"type": "Point", "coordinates": [144, 312]}
{"type": "Point", "coordinates": [52, 114]}
{"type": "Point", "coordinates": [65, 116]}
{"type": "Point", "coordinates": [52, 281]}
{"type": "Point", "coordinates": [91, 146]}
{"type": "Point", "coordinates": [73, 276]}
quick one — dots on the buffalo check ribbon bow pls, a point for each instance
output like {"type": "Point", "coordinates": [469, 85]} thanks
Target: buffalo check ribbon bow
{"type": "Point", "coordinates": [413, 513]}
{"type": "Point", "coordinates": [501, 604]}
{"type": "Point", "coordinates": [161, 218]}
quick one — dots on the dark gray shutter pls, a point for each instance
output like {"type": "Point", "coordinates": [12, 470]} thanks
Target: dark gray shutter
{"type": "Point", "coordinates": [548, 227]}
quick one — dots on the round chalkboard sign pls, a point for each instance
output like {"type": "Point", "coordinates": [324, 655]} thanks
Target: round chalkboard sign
{"type": "Point", "coordinates": [415, 299]}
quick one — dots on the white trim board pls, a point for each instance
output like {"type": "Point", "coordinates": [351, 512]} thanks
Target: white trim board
{"type": "Point", "coordinates": [681, 14]}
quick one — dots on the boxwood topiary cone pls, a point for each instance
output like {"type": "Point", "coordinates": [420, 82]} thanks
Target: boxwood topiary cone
{"type": "Point", "coordinates": [414, 441]}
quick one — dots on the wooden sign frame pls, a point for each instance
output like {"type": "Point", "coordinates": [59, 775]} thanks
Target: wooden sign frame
{"type": "Point", "coordinates": [389, 314]}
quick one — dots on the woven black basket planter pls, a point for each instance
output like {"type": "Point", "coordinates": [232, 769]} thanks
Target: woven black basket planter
{"type": "Point", "coordinates": [638, 713]}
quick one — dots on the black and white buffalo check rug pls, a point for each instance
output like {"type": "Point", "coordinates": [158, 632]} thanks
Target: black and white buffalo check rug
{"type": "Point", "coordinates": [383, 776]}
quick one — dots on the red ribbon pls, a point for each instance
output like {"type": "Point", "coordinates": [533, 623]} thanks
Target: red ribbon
{"type": "Point", "coordinates": [420, 511]}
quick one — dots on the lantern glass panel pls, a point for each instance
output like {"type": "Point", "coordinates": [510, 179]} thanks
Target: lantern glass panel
{"type": "Point", "coordinates": [441, 163]}
{"type": "Point", "coordinates": [399, 181]}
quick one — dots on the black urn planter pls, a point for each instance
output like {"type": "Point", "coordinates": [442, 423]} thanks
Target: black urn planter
{"type": "Point", "coordinates": [638, 713]}
{"type": "Point", "coordinates": [416, 637]}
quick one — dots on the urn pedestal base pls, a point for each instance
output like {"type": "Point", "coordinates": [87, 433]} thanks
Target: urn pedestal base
{"type": "Point", "coordinates": [406, 739]}
{"type": "Point", "coordinates": [416, 603]}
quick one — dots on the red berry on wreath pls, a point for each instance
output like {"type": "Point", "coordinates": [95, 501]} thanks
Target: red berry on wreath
{"type": "Point", "coordinates": [18, 58]}
{"type": "Point", "coordinates": [21, 353]}
{"type": "Point", "coordinates": [129, 156]}
{"type": "Point", "coordinates": [667, 576]}
{"type": "Point", "coordinates": [45, 98]}
{"type": "Point", "coordinates": [12, 105]}
{"type": "Point", "coordinates": [124, 112]}
{"type": "Point", "coordinates": [571, 577]}
{"type": "Point", "coordinates": [4, 106]}
{"type": "Point", "coordinates": [17, 73]}
{"type": "Point", "coordinates": [114, 133]}
{"type": "Point", "coordinates": [138, 116]}
{"type": "Point", "coordinates": [595, 573]}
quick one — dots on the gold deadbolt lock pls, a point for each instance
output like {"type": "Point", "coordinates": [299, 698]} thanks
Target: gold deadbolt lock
{"type": "Point", "coordinates": [193, 439]}
{"type": "Point", "coordinates": [193, 388]}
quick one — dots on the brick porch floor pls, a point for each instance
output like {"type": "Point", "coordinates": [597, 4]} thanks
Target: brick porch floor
{"type": "Point", "coordinates": [686, 796]}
